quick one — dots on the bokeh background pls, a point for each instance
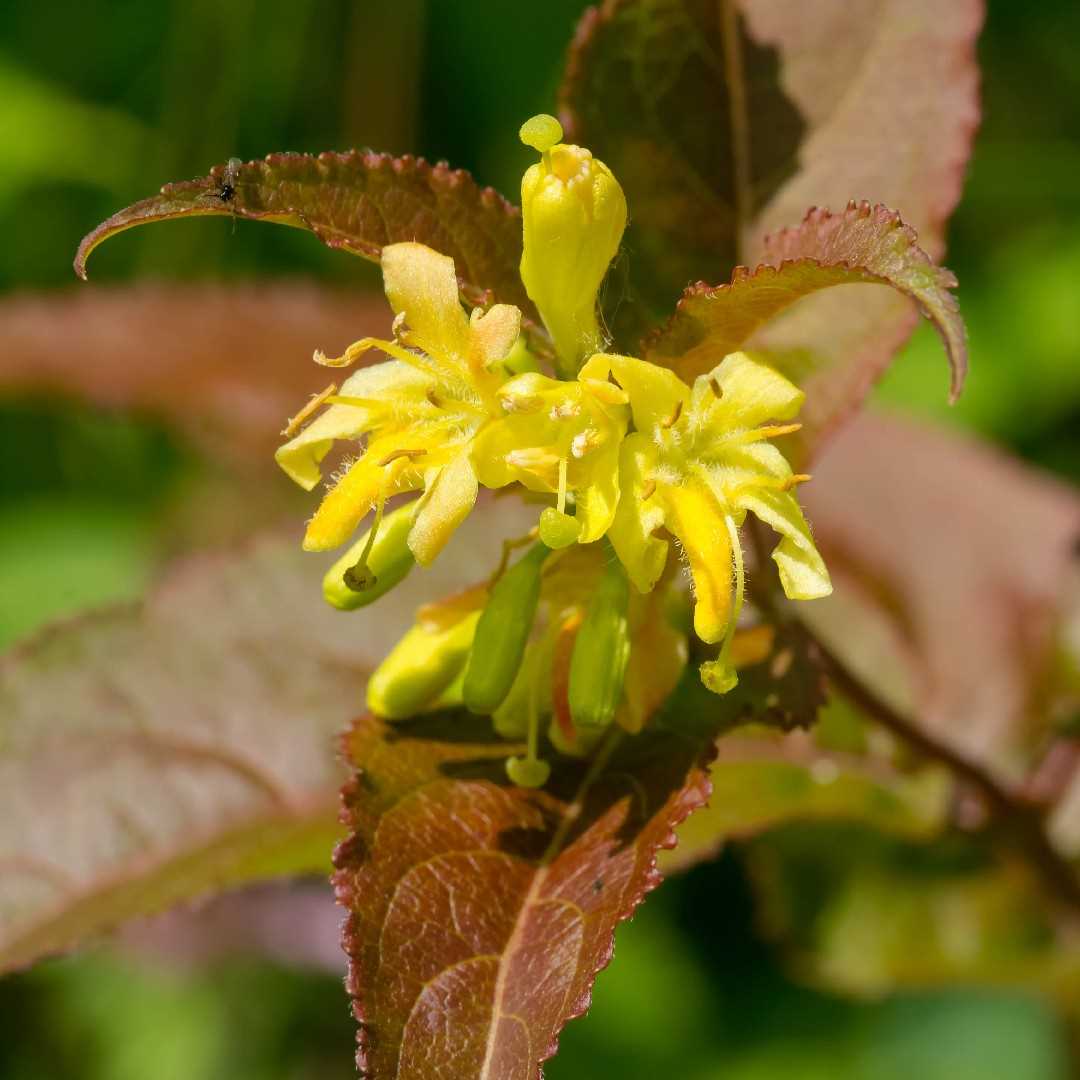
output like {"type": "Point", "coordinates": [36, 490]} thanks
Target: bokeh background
{"type": "Point", "coordinates": [102, 102]}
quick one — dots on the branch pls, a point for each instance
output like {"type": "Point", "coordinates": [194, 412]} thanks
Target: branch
{"type": "Point", "coordinates": [1021, 822]}
{"type": "Point", "coordinates": [1021, 819]}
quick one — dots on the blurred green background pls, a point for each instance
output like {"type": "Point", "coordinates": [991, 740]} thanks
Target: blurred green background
{"type": "Point", "coordinates": [101, 104]}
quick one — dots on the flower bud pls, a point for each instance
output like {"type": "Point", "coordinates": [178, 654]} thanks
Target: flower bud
{"type": "Point", "coordinates": [574, 214]}
{"type": "Point", "coordinates": [355, 581]}
{"type": "Point", "coordinates": [420, 668]}
{"type": "Point", "coordinates": [601, 652]}
{"type": "Point", "coordinates": [503, 632]}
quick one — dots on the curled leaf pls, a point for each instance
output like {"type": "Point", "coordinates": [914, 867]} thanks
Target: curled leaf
{"type": "Point", "coordinates": [359, 202]}
{"type": "Point", "coordinates": [860, 245]}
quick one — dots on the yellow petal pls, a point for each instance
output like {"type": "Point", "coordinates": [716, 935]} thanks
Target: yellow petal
{"type": "Point", "coordinates": [657, 395]}
{"type": "Point", "coordinates": [348, 502]}
{"type": "Point", "coordinates": [803, 573]}
{"type": "Point", "coordinates": [392, 382]}
{"type": "Point", "coordinates": [751, 393]}
{"type": "Point", "coordinates": [442, 508]}
{"type": "Point", "coordinates": [636, 518]}
{"type": "Point", "coordinates": [422, 284]}
{"type": "Point", "coordinates": [598, 499]}
{"type": "Point", "coordinates": [694, 517]}
{"type": "Point", "coordinates": [492, 335]}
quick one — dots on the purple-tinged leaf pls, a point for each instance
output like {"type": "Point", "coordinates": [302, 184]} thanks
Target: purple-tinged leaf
{"type": "Point", "coordinates": [225, 365]}
{"type": "Point", "coordinates": [480, 913]}
{"type": "Point", "coordinates": [157, 752]}
{"type": "Point", "coordinates": [952, 560]}
{"type": "Point", "coordinates": [861, 245]}
{"type": "Point", "coordinates": [358, 202]}
{"type": "Point", "coordinates": [726, 120]}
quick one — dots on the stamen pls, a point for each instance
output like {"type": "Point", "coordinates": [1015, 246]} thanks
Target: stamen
{"type": "Point", "coordinates": [560, 505]}
{"type": "Point", "coordinates": [771, 431]}
{"type": "Point", "coordinates": [394, 455]}
{"type": "Point", "coordinates": [317, 401]}
{"type": "Point", "coordinates": [674, 417]}
{"type": "Point", "coordinates": [433, 398]}
{"type": "Point", "coordinates": [359, 577]}
{"type": "Point", "coordinates": [795, 480]}
{"type": "Point", "coordinates": [530, 771]}
{"type": "Point", "coordinates": [717, 389]}
{"type": "Point", "coordinates": [648, 490]}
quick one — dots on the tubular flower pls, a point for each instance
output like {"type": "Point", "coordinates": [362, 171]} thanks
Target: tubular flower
{"type": "Point", "coordinates": [698, 461]}
{"type": "Point", "coordinates": [574, 214]}
{"type": "Point", "coordinates": [562, 437]}
{"type": "Point", "coordinates": [420, 410]}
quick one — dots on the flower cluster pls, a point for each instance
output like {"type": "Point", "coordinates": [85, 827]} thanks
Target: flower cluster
{"type": "Point", "coordinates": [584, 629]}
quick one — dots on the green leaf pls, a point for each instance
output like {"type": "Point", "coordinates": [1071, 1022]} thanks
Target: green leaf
{"type": "Point", "coordinates": [862, 245]}
{"type": "Point", "coordinates": [726, 121]}
{"type": "Point", "coordinates": [763, 779]}
{"type": "Point", "coordinates": [480, 912]}
{"type": "Point", "coordinates": [358, 202]}
{"type": "Point", "coordinates": [885, 914]}
{"type": "Point", "coordinates": [157, 752]}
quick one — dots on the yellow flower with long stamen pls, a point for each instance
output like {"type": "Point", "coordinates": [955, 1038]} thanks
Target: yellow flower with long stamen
{"type": "Point", "coordinates": [420, 411]}
{"type": "Point", "coordinates": [698, 461]}
{"type": "Point", "coordinates": [561, 437]}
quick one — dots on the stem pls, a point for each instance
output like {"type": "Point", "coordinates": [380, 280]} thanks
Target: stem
{"type": "Point", "coordinates": [1021, 823]}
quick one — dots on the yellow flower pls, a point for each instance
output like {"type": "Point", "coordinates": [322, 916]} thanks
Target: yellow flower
{"type": "Point", "coordinates": [420, 411]}
{"type": "Point", "coordinates": [698, 461]}
{"type": "Point", "coordinates": [574, 213]}
{"type": "Point", "coordinates": [563, 437]}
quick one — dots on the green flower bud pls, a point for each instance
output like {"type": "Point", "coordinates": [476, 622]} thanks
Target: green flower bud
{"type": "Point", "coordinates": [601, 652]}
{"type": "Point", "coordinates": [420, 669]}
{"type": "Point", "coordinates": [574, 214]}
{"type": "Point", "coordinates": [503, 633]}
{"type": "Point", "coordinates": [355, 581]}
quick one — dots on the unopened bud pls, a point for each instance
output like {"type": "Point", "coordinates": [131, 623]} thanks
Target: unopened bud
{"type": "Point", "coordinates": [574, 214]}
{"type": "Point", "coordinates": [355, 581]}
{"type": "Point", "coordinates": [503, 632]}
{"type": "Point", "coordinates": [420, 669]}
{"type": "Point", "coordinates": [601, 652]}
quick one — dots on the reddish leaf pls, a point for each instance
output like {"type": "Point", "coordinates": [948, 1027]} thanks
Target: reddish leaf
{"type": "Point", "coordinates": [951, 560]}
{"type": "Point", "coordinates": [226, 365]}
{"type": "Point", "coordinates": [153, 753]}
{"type": "Point", "coordinates": [359, 202]}
{"type": "Point", "coordinates": [481, 912]}
{"type": "Point", "coordinates": [651, 89]}
{"type": "Point", "coordinates": [884, 103]}
{"type": "Point", "coordinates": [864, 244]}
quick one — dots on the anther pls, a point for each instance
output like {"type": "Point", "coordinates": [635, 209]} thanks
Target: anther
{"type": "Point", "coordinates": [403, 453]}
{"type": "Point", "coordinates": [794, 481]}
{"type": "Point", "coordinates": [674, 417]}
{"type": "Point", "coordinates": [717, 389]}
{"type": "Point", "coordinates": [648, 490]}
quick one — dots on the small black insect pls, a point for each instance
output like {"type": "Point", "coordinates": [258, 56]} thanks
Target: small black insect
{"type": "Point", "coordinates": [598, 885]}
{"type": "Point", "coordinates": [226, 191]}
